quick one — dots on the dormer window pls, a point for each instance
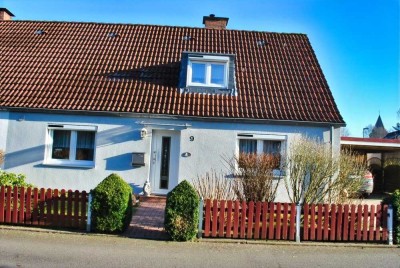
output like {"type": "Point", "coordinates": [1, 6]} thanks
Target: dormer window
{"type": "Point", "coordinates": [208, 73]}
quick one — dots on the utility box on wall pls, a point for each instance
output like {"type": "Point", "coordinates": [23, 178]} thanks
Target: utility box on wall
{"type": "Point", "coordinates": [137, 159]}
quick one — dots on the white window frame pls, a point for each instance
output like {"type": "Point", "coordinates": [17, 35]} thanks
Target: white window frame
{"type": "Point", "coordinates": [208, 60]}
{"type": "Point", "coordinates": [260, 145]}
{"type": "Point", "coordinates": [71, 162]}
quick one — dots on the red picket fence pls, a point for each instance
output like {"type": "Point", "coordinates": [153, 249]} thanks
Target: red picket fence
{"type": "Point", "coordinates": [345, 223]}
{"type": "Point", "coordinates": [41, 207]}
{"type": "Point", "coordinates": [234, 219]}
{"type": "Point", "coordinates": [277, 221]}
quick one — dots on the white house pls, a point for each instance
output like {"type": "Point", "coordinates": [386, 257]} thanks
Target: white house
{"type": "Point", "coordinates": [79, 101]}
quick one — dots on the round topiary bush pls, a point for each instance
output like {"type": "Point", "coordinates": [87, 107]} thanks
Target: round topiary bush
{"type": "Point", "coordinates": [111, 205]}
{"type": "Point", "coordinates": [182, 212]}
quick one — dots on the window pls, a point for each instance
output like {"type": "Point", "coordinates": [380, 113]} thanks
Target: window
{"type": "Point", "coordinates": [259, 144]}
{"type": "Point", "coordinates": [70, 146]}
{"type": "Point", "coordinates": [208, 73]}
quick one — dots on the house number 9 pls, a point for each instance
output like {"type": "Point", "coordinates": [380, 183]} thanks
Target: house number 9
{"type": "Point", "coordinates": [191, 138]}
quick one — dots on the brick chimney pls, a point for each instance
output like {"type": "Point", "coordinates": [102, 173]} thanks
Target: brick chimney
{"type": "Point", "coordinates": [5, 14]}
{"type": "Point", "coordinates": [212, 22]}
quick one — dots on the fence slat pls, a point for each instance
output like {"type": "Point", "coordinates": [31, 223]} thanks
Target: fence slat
{"type": "Point", "coordinates": [28, 215]}
{"type": "Point", "coordinates": [236, 219]}
{"type": "Point", "coordinates": [264, 220]}
{"type": "Point", "coordinates": [346, 223]}
{"type": "Point", "coordinates": [229, 220]}
{"type": "Point", "coordinates": [271, 221]}
{"type": "Point", "coordinates": [55, 207]}
{"type": "Point", "coordinates": [312, 222]}
{"type": "Point", "coordinates": [319, 224]}
{"type": "Point", "coordinates": [372, 223]}
{"type": "Point", "coordinates": [278, 221]}
{"type": "Point", "coordinates": [352, 222]}
{"type": "Point", "coordinates": [292, 230]}
{"type": "Point", "coordinates": [306, 223]}
{"type": "Point", "coordinates": [214, 218]}
{"type": "Point", "coordinates": [2, 202]}
{"type": "Point", "coordinates": [8, 204]}
{"type": "Point", "coordinates": [384, 223]}
{"type": "Point", "coordinates": [243, 220]}
{"type": "Point", "coordinates": [257, 222]}
{"type": "Point", "coordinates": [326, 222]}
{"type": "Point", "coordinates": [21, 218]}
{"type": "Point", "coordinates": [378, 232]}
{"type": "Point", "coordinates": [339, 223]}
{"type": "Point", "coordinates": [208, 218]}
{"type": "Point", "coordinates": [365, 223]}
{"type": "Point", "coordinates": [333, 223]}
{"type": "Point", "coordinates": [62, 212]}
{"type": "Point", "coordinates": [285, 221]}
{"type": "Point", "coordinates": [69, 216]}
{"type": "Point", "coordinates": [15, 205]}
{"type": "Point", "coordinates": [221, 218]}
{"type": "Point", "coordinates": [49, 218]}
{"type": "Point", "coordinates": [359, 222]}
{"type": "Point", "coordinates": [76, 209]}
{"type": "Point", "coordinates": [35, 207]}
{"type": "Point", "coordinates": [250, 220]}
{"type": "Point", "coordinates": [83, 210]}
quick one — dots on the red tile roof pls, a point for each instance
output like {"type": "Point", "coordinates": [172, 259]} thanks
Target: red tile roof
{"type": "Point", "coordinates": [77, 66]}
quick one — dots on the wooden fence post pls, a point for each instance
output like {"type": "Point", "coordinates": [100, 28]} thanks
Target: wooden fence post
{"type": "Point", "coordinates": [201, 209]}
{"type": "Point", "coordinates": [390, 224]}
{"type": "Point", "coordinates": [89, 214]}
{"type": "Point", "coordinates": [298, 222]}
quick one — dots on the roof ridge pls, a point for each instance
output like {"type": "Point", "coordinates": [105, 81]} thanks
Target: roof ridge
{"type": "Point", "coordinates": [152, 25]}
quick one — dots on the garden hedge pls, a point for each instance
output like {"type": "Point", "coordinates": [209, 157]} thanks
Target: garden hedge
{"type": "Point", "coordinates": [182, 212]}
{"type": "Point", "coordinates": [396, 220]}
{"type": "Point", "coordinates": [111, 205]}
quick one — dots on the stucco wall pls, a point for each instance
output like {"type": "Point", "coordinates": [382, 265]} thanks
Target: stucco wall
{"type": "Point", "coordinates": [118, 137]}
{"type": "Point", "coordinates": [3, 131]}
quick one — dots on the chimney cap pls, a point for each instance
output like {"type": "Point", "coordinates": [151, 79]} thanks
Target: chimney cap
{"type": "Point", "coordinates": [212, 17]}
{"type": "Point", "coordinates": [7, 11]}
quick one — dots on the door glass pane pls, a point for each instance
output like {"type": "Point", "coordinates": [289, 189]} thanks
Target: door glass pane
{"type": "Point", "coordinates": [61, 144]}
{"type": "Point", "coordinates": [217, 74]}
{"type": "Point", "coordinates": [165, 159]}
{"type": "Point", "coordinates": [248, 146]}
{"type": "Point", "coordinates": [85, 145]}
{"type": "Point", "coordinates": [198, 73]}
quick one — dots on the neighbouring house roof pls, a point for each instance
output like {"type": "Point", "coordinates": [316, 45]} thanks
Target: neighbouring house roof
{"type": "Point", "coordinates": [135, 69]}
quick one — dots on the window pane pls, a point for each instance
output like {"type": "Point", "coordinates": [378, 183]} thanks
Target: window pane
{"type": "Point", "coordinates": [85, 145]}
{"type": "Point", "coordinates": [273, 148]}
{"type": "Point", "coordinates": [248, 146]}
{"type": "Point", "coordinates": [61, 144]}
{"type": "Point", "coordinates": [217, 74]}
{"type": "Point", "coordinates": [198, 73]}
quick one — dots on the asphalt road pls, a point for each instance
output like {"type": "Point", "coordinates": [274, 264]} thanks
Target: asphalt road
{"type": "Point", "coordinates": [38, 249]}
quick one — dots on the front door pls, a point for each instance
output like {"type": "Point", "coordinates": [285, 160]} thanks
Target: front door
{"type": "Point", "coordinates": [164, 160]}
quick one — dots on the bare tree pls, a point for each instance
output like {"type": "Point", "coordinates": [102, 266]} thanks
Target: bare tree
{"type": "Point", "coordinates": [344, 132]}
{"type": "Point", "coordinates": [1, 157]}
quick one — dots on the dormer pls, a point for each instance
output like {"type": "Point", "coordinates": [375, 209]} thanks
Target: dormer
{"type": "Point", "coordinates": [208, 73]}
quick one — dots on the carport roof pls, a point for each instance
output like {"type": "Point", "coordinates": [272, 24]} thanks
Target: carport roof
{"type": "Point", "coordinates": [370, 144]}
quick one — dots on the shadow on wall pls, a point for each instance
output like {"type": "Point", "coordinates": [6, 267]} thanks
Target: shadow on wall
{"type": "Point", "coordinates": [136, 188]}
{"type": "Point", "coordinates": [23, 157]}
{"type": "Point", "coordinates": [117, 135]}
{"type": "Point", "coordinates": [119, 162]}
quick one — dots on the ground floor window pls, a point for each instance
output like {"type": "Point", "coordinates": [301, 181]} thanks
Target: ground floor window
{"type": "Point", "coordinates": [70, 146]}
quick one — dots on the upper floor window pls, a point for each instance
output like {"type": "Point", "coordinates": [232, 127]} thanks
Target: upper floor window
{"type": "Point", "coordinates": [70, 145]}
{"type": "Point", "coordinates": [209, 73]}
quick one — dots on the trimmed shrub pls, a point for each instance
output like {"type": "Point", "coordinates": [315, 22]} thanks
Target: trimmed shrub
{"type": "Point", "coordinates": [395, 201]}
{"type": "Point", "coordinates": [12, 179]}
{"type": "Point", "coordinates": [182, 212]}
{"type": "Point", "coordinates": [111, 205]}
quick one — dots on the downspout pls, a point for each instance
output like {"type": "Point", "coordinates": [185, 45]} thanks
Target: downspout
{"type": "Point", "coordinates": [332, 156]}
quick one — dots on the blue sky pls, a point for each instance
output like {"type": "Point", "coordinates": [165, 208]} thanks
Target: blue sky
{"type": "Point", "coordinates": [356, 41]}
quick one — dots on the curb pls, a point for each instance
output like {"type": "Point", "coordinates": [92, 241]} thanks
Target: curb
{"type": "Point", "coordinates": [209, 240]}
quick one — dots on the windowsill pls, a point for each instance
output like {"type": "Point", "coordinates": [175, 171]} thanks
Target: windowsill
{"type": "Point", "coordinates": [69, 164]}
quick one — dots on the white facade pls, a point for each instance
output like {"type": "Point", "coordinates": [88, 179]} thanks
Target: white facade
{"type": "Point", "coordinates": [196, 147]}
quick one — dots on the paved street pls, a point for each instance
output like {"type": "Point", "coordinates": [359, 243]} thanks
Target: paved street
{"type": "Point", "coordinates": [38, 249]}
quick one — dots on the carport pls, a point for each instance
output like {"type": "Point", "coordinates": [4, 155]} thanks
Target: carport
{"type": "Point", "coordinates": [383, 157]}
